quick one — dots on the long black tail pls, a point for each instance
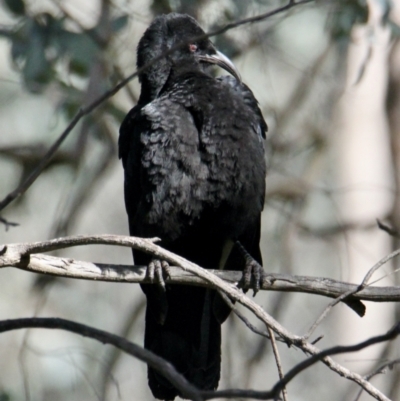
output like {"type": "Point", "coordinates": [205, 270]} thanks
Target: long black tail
{"type": "Point", "coordinates": [189, 337]}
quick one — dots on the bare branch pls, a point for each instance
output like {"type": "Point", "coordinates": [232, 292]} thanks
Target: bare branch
{"type": "Point", "coordinates": [347, 294]}
{"type": "Point", "coordinates": [7, 223]}
{"type": "Point", "coordinates": [168, 371]}
{"type": "Point", "coordinates": [240, 316]}
{"type": "Point", "coordinates": [257, 18]}
{"type": "Point", "coordinates": [162, 366]}
{"type": "Point", "coordinates": [278, 362]}
{"type": "Point", "coordinates": [320, 356]}
{"type": "Point", "coordinates": [23, 256]}
{"type": "Point", "coordinates": [43, 163]}
{"type": "Point", "coordinates": [380, 370]}
{"type": "Point", "coordinates": [374, 268]}
{"type": "Point", "coordinates": [19, 255]}
{"type": "Point", "coordinates": [114, 355]}
{"type": "Point", "coordinates": [390, 335]}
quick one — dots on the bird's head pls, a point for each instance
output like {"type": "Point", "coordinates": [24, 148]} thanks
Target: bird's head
{"type": "Point", "coordinates": [174, 43]}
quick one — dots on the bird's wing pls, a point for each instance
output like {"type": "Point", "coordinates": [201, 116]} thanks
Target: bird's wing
{"type": "Point", "coordinates": [250, 238]}
{"type": "Point", "coordinates": [168, 149]}
{"type": "Point", "coordinates": [129, 150]}
{"type": "Point", "coordinates": [245, 92]}
{"type": "Point", "coordinates": [164, 174]}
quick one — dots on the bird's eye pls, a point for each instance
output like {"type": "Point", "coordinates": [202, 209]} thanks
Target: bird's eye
{"type": "Point", "coordinates": [193, 47]}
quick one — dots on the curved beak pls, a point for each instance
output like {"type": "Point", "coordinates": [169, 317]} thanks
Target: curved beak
{"type": "Point", "coordinates": [222, 61]}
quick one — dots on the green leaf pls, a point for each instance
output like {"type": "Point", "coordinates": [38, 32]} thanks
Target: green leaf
{"type": "Point", "coordinates": [4, 396]}
{"type": "Point", "coordinates": [394, 28]}
{"type": "Point", "coordinates": [118, 23]}
{"type": "Point", "coordinates": [37, 69]}
{"type": "Point", "coordinates": [79, 47]}
{"type": "Point", "coordinates": [347, 13]}
{"type": "Point", "coordinates": [16, 6]}
{"type": "Point", "coordinates": [70, 108]}
{"type": "Point", "coordinates": [20, 39]}
{"type": "Point", "coordinates": [78, 68]}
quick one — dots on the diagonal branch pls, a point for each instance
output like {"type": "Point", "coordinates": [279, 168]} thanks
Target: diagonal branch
{"type": "Point", "coordinates": [380, 370]}
{"type": "Point", "coordinates": [354, 291]}
{"type": "Point", "coordinates": [156, 362]}
{"type": "Point", "coordinates": [168, 371]}
{"type": "Point", "coordinates": [20, 255]}
{"type": "Point", "coordinates": [277, 388]}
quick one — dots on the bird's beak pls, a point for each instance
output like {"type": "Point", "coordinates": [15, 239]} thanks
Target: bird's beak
{"type": "Point", "coordinates": [221, 60]}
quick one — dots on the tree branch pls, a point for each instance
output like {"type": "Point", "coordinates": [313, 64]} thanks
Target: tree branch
{"type": "Point", "coordinates": [7, 223]}
{"type": "Point", "coordinates": [20, 255]}
{"type": "Point", "coordinates": [168, 371]}
{"type": "Point", "coordinates": [348, 294]}
{"type": "Point", "coordinates": [280, 385]}
{"type": "Point", "coordinates": [24, 256]}
{"type": "Point", "coordinates": [278, 365]}
{"type": "Point", "coordinates": [380, 370]}
{"type": "Point", "coordinates": [159, 364]}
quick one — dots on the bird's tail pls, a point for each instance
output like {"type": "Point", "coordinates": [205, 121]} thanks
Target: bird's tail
{"type": "Point", "coordinates": [189, 338]}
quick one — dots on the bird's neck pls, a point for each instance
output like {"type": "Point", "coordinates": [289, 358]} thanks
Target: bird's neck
{"type": "Point", "coordinates": [153, 86]}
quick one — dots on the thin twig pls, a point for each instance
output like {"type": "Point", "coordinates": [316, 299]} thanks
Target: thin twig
{"type": "Point", "coordinates": [380, 370]}
{"type": "Point", "coordinates": [347, 294]}
{"type": "Point", "coordinates": [22, 354]}
{"type": "Point", "coordinates": [320, 356]}
{"type": "Point", "coordinates": [278, 362]}
{"type": "Point", "coordinates": [253, 328]}
{"type": "Point", "coordinates": [374, 268]}
{"type": "Point", "coordinates": [257, 18]}
{"type": "Point", "coordinates": [7, 223]}
{"type": "Point", "coordinates": [114, 355]}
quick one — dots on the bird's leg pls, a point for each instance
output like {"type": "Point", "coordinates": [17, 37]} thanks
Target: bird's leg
{"type": "Point", "coordinates": [155, 270]}
{"type": "Point", "coordinates": [253, 273]}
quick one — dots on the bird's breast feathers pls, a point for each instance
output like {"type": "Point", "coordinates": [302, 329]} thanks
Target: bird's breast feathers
{"type": "Point", "coordinates": [192, 168]}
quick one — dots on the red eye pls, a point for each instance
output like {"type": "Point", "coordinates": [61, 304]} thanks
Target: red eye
{"type": "Point", "coordinates": [192, 47]}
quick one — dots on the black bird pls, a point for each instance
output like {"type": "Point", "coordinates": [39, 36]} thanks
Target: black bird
{"type": "Point", "coordinates": [193, 155]}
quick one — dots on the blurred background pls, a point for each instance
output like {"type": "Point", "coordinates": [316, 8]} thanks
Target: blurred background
{"type": "Point", "coordinates": [327, 76]}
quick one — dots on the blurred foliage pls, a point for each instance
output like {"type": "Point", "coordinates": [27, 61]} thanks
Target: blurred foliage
{"type": "Point", "coordinates": [52, 49]}
{"type": "Point", "coordinates": [16, 6]}
{"type": "Point", "coordinates": [5, 396]}
{"type": "Point", "coordinates": [41, 43]}
{"type": "Point", "coordinates": [347, 13]}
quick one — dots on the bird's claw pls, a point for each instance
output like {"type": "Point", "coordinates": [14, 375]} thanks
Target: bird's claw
{"type": "Point", "coordinates": [253, 276]}
{"type": "Point", "coordinates": [156, 270]}
{"type": "Point", "coordinates": [253, 273]}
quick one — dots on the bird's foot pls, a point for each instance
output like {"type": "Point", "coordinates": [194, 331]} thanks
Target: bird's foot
{"type": "Point", "coordinates": [253, 273]}
{"type": "Point", "coordinates": [156, 270]}
{"type": "Point", "coordinates": [253, 276]}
